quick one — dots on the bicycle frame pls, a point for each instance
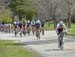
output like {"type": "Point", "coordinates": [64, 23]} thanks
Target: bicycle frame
{"type": "Point", "coordinates": [38, 33]}
{"type": "Point", "coordinates": [60, 40]}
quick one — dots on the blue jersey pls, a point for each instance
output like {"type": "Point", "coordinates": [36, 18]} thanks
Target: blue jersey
{"type": "Point", "coordinates": [37, 24]}
{"type": "Point", "coordinates": [60, 28]}
{"type": "Point", "coordinates": [42, 23]}
{"type": "Point", "coordinates": [28, 24]}
{"type": "Point", "coordinates": [20, 25]}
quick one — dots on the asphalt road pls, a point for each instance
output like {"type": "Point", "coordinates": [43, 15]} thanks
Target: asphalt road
{"type": "Point", "coordinates": [47, 46]}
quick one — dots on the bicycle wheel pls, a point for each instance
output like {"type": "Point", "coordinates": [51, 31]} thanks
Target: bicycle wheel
{"type": "Point", "coordinates": [61, 41]}
{"type": "Point", "coordinates": [15, 33]}
{"type": "Point", "coordinates": [38, 35]}
{"type": "Point", "coordinates": [21, 33]}
{"type": "Point", "coordinates": [42, 32]}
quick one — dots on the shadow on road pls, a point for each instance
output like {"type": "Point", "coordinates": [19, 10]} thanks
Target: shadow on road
{"type": "Point", "coordinates": [45, 42]}
{"type": "Point", "coordinates": [38, 42]}
{"type": "Point", "coordinates": [33, 42]}
{"type": "Point", "coordinates": [15, 44]}
{"type": "Point", "coordinates": [53, 50]}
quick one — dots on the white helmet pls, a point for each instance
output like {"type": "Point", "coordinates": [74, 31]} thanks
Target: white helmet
{"type": "Point", "coordinates": [38, 21]}
{"type": "Point", "coordinates": [61, 22]}
{"type": "Point", "coordinates": [15, 22]}
{"type": "Point", "coordinates": [28, 21]}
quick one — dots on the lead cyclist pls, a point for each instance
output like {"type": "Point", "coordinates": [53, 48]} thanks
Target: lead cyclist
{"type": "Point", "coordinates": [61, 30]}
{"type": "Point", "coordinates": [38, 29]}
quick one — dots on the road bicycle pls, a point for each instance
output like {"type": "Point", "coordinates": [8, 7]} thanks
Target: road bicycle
{"type": "Point", "coordinates": [61, 40]}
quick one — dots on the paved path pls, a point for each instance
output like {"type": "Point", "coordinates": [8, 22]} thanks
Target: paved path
{"type": "Point", "coordinates": [47, 46]}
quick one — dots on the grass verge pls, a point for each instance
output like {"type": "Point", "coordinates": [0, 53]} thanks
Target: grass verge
{"type": "Point", "coordinates": [49, 26]}
{"type": "Point", "coordinates": [72, 30]}
{"type": "Point", "coordinates": [10, 49]}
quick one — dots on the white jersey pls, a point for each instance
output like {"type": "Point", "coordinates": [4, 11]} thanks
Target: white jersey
{"type": "Point", "coordinates": [64, 27]}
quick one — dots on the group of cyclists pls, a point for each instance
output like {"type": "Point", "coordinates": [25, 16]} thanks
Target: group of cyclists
{"type": "Point", "coordinates": [5, 27]}
{"type": "Point", "coordinates": [35, 27]}
{"type": "Point", "coordinates": [25, 27]}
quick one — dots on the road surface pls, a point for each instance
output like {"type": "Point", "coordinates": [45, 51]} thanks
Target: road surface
{"type": "Point", "coordinates": [47, 46]}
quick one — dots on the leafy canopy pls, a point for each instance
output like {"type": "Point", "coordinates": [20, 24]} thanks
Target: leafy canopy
{"type": "Point", "coordinates": [23, 8]}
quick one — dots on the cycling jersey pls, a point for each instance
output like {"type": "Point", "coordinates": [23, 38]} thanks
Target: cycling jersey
{"type": "Point", "coordinates": [24, 24]}
{"type": "Point", "coordinates": [28, 24]}
{"type": "Point", "coordinates": [42, 23]}
{"type": "Point", "coordinates": [37, 25]}
{"type": "Point", "coordinates": [1, 25]}
{"type": "Point", "coordinates": [20, 25]}
{"type": "Point", "coordinates": [60, 28]}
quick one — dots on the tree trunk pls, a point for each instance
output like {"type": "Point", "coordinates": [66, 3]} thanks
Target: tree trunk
{"type": "Point", "coordinates": [48, 23]}
{"type": "Point", "coordinates": [66, 22]}
{"type": "Point", "coordinates": [69, 22]}
{"type": "Point", "coordinates": [55, 22]}
{"type": "Point", "coordinates": [13, 17]}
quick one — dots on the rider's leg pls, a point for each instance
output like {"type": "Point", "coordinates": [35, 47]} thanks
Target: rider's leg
{"type": "Point", "coordinates": [58, 40]}
{"type": "Point", "coordinates": [42, 30]}
{"type": "Point", "coordinates": [21, 31]}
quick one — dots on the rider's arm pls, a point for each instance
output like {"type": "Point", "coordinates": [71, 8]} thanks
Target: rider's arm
{"type": "Point", "coordinates": [65, 28]}
{"type": "Point", "coordinates": [57, 27]}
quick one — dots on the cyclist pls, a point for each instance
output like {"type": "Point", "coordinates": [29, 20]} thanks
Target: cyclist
{"type": "Point", "coordinates": [42, 26]}
{"type": "Point", "coordinates": [16, 27]}
{"type": "Point", "coordinates": [6, 27]}
{"type": "Point", "coordinates": [20, 28]}
{"type": "Point", "coordinates": [24, 27]}
{"type": "Point", "coordinates": [61, 28]}
{"type": "Point", "coordinates": [1, 27]}
{"type": "Point", "coordinates": [33, 26]}
{"type": "Point", "coordinates": [28, 27]}
{"type": "Point", "coordinates": [37, 27]}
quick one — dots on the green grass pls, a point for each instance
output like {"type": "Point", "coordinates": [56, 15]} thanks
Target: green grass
{"type": "Point", "coordinates": [72, 30]}
{"type": "Point", "coordinates": [51, 27]}
{"type": "Point", "coordinates": [10, 49]}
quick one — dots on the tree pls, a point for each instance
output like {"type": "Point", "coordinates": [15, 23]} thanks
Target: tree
{"type": "Point", "coordinates": [5, 16]}
{"type": "Point", "coordinates": [69, 8]}
{"type": "Point", "coordinates": [54, 6]}
{"type": "Point", "coordinates": [22, 8]}
{"type": "Point", "coordinates": [56, 10]}
{"type": "Point", "coordinates": [46, 9]}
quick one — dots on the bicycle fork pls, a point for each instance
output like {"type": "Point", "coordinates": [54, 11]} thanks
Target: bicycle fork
{"type": "Point", "coordinates": [61, 43]}
{"type": "Point", "coordinates": [38, 35]}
